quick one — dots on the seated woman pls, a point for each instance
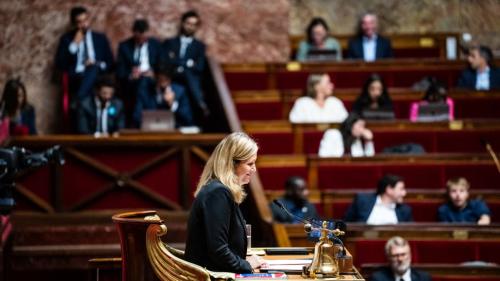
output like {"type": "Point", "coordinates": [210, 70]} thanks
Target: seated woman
{"type": "Point", "coordinates": [14, 106]}
{"type": "Point", "coordinates": [435, 106]}
{"type": "Point", "coordinates": [352, 139]}
{"type": "Point", "coordinates": [374, 101]}
{"type": "Point", "coordinates": [319, 106]}
{"type": "Point", "coordinates": [318, 39]}
{"type": "Point", "coordinates": [216, 236]}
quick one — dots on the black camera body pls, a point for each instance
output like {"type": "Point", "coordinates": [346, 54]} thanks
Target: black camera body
{"type": "Point", "coordinates": [16, 159]}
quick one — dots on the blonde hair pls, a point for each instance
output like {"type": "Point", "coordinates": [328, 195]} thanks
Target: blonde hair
{"type": "Point", "coordinates": [221, 165]}
{"type": "Point", "coordinates": [395, 241]}
{"type": "Point", "coordinates": [457, 181]}
{"type": "Point", "coordinates": [312, 81]}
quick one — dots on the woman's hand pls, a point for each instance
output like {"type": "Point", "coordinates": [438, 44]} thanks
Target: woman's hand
{"type": "Point", "coordinates": [367, 135]}
{"type": "Point", "coordinates": [255, 261]}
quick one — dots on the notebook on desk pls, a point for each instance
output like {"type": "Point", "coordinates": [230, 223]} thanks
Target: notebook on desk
{"type": "Point", "coordinates": [433, 112]}
{"type": "Point", "coordinates": [158, 120]}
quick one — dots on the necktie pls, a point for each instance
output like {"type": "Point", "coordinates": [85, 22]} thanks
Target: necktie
{"type": "Point", "coordinates": [401, 279]}
{"type": "Point", "coordinates": [137, 55]}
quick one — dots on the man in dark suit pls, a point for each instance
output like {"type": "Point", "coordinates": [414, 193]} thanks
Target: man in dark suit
{"type": "Point", "coordinates": [101, 114]}
{"type": "Point", "coordinates": [137, 57]}
{"type": "Point", "coordinates": [481, 75]}
{"type": "Point", "coordinates": [187, 55]}
{"type": "Point", "coordinates": [398, 253]}
{"type": "Point", "coordinates": [165, 95]}
{"type": "Point", "coordinates": [367, 44]}
{"type": "Point", "coordinates": [83, 54]}
{"type": "Point", "coordinates": [384, 207]}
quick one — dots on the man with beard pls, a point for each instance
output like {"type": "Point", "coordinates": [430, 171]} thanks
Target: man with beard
{"type": "Point", "coordinates": [83, 54]}
{"type": "Point", "coordinates": [398, 253]}
{"type": "Point", "coordinates": [187, 55]}
{"type": "Point", "coordinates": [295, 200]}
{"type": "Point", "coordinates": [383, 207]}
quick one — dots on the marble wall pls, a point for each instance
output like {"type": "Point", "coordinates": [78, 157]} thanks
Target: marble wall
{"type": "Point", "coordinates": [234, 30]}
{"type": "Point", "coordinates": [480, 18]}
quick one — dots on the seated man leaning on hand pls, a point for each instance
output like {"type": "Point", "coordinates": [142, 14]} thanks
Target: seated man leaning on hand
{"type": "Point", "coordinates": [459, 209]}
{"type": "Point", "coordinates": [383, 207]}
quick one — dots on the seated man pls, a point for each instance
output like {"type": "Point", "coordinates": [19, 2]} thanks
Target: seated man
{"type": "Point", "coordinates": [480, 75]}
{"type": "Point", "coordinates": [101, 114]}
{"type": "Point", "coordinates": [165, 95]}
{"type": "Point", "coordinates": [384, 207]}
{"type": "Point", "coordinates": [295, 200]}
{"type": "Point", "coordinates": [398, 253]}
{"type": "Point", "coordinates": [368, 44]}
{"type": "Point", "coordinates": [459, 208]}
{"type": "Point", "coordinates": [83, 54]}
{"type": "Point", "coordinates": [137, 57]}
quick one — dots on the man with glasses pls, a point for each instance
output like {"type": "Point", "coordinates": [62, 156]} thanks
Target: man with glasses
{"type": "Point", "coordinates": [398, 253]}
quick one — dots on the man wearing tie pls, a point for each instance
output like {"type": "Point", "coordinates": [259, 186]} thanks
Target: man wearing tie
{"type": "Point", "coordinates": [137, 57]}
{"type": "Point", "coordinates": [398, 253]}
{"type": "Point", "coordinates": [83, 54]}
{"type": "Point", "coordinates": [101, 114]}
{"type": "Point", "coordinates": [368, 44]}
{"type": "Point", "coordinates": [187, 55]}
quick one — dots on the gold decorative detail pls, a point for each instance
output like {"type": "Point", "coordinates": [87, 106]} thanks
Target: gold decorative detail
{"type": "Point", "coordinates": [460, 234]}
{"type": "Point", "coordinates": [456, 125]}
{"type": "Point", "coordinates": [325, 262]}
{"type": "Point", "coordinates": [293, 66]}
{"type": "Point", "coordinates": [427, 42]}
{"type": "Point", "coordinates": [171, 267]}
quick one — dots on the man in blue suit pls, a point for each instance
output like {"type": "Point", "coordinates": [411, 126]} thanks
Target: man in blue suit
{"type": "Point", "coordinates": [398, 253]}
{"type": "Point", "coordinates": [83, 54]}
{"type": "Point", "coordinates": [367, 44]}
{"type": "Point", "coordinates": [137, 58]}
{"type": "Point", "coordinates": [165, 95]}
{"type": "Point", "coordinates": [187, 55]}
{"type": "Point", "coordinates": [384, 207]}
{"type": "Point", "coordinates": [481, 75]}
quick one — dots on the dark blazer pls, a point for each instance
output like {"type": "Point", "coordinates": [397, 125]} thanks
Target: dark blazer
{"type": "Point", "coordinates": [216, 231]}
{"type": "Point", "coordinates": [468, 79]}
{"type": "Point", "coordinates": [147, 101]}
{"type": "Point", "coordinates": [385, 274]}
{"type": "Point", "coordinates": [355, 48]}
{"type": "Point", "coordinates": [87, 116]}
{"type": "Point", "coordinates": [195, 51]}
{"type": "Point", "coordinates": [362, 206]}
{"type": "Point", "coordinates": [125, 60]}
{"type": "Point", "coordinates": [65, 61]}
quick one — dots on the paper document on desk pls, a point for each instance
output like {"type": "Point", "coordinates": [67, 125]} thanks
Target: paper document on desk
{"type": "Point", "coordinates": [285, 265]}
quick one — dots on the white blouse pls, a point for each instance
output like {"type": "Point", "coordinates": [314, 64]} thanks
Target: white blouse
{"type": "Point", "coordinates": [332, 145]}
{"type": "Point", "coordinates": [306, 110]}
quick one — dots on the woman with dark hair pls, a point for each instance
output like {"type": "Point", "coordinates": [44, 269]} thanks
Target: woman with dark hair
{"type": "Point", "coordinates": [352, 138]}
{"type": "Point", "coordinates": [435, 94]}
{"type": "Point", "coordinates": [374, 97]}
{"type": "Point", "coordinates": [318, 39]}
{"type": "Point", "coordinates": [319, 106]}
{"type": "Point", "coordinates": [14, 106]}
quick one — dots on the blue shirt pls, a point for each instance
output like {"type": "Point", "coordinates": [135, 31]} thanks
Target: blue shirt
{"type": "Point", "coordinates": [471, 213]}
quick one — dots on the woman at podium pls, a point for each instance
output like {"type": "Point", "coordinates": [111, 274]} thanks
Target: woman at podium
{"type": "Point", "coordinates": [216, 227]}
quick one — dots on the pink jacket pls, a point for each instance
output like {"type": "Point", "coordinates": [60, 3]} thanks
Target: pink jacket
{"type": "Point", "coordinates": [414, 109]}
